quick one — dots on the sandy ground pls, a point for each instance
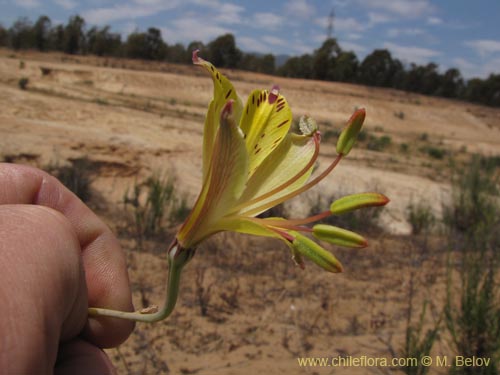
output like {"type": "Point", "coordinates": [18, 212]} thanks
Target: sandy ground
{"type": "Point", "coordinates": [132, 118]}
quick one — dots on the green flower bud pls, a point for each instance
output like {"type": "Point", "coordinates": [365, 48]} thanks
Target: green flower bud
{"type": "Point", "coordinates": [311, 250]}
{"type": "Point", "coordinates": [350, 133]}
{"type": "Point", "coordinates": [355, 201]}
{"type": "Point", "coordinates": [338, 236]}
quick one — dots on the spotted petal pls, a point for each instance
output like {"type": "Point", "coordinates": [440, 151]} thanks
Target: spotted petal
{"type": "Point", "coordinates": [265, 122]}
{"type": "Point", "coordinates": [223, 91]}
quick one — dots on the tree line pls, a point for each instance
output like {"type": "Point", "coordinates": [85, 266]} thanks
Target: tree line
{"type": "Point", "coordinates": [329, 62]}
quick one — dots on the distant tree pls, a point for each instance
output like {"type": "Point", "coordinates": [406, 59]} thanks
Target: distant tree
{"type": "Point", "coordinates": [4, 36]}
{"type": "Point", "coordinates": [379, 69]}
{"type": "Point", "coordinates": [452, 84]}
{"type": "Point", "coordinates": [57, 38]}
{"type": "Point", "coordinates": [74, 35]}
{"type": "Point", "coordinates": [148, 46]}
{"type": "Point", "coordinates": [255, 63]}
{"type": "Point", "coordinates": [101, 42]}
{"type": "Point", "coordinates": [223, 52]}
{"type": "Point", "coordinates": [298, 67]}
{"type": "Point", "coordinates": [324, 59]}
{"type": "Point", "coordinates": [177, 53]}
{"type": "Point", "coordinates": [21, 34]}
{"type": "Point", "coordinates": [345, 67]}
{"type": "Point", "coordinates": [485, 91]}
{"type": "Point", "coordinates": [41, 33]}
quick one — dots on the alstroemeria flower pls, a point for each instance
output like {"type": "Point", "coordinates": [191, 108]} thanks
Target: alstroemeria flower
{"type": "Point", "coordinates": [252, 162]}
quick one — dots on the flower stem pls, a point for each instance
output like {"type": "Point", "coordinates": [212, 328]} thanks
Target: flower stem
{"type": "Point", "coordinates": [178, 257]}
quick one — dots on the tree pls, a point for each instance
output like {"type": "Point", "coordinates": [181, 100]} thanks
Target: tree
{"type": "Point", "coordinates": [177, 53]}
{"type": "Point", "coordinates": [255, 63]}
{"type": "Point", "coordinates": [4, 36]}
{"type": "Point", "coordinates": [21, 34]}
{"type": "Point", "coordinates": [345, 68]}
{"type": "Point", "coordinates": [223, 52]}
{"type": "Point", "coordinates": [41, 33]}
{"type": "Point", "coordinates": [148, 46]}
{"type": "Point", "coordinates": [74, 35]}
{"type": "Point", "coordinates": [379, 69]}
{"type": "Point", "coordinates": [299, 67]}
{"type": "Point", "coordinates": [324, 59]}
{"type": "Point", "coordinates": [452, 84]}
{"type": "Point", "coordinates": [102, 42]}
{"type": "Point", "coordinates": [56, 38]}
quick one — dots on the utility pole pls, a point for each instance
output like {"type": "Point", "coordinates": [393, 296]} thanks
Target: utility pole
{"type": "Point", "coordinates": [329, 30]}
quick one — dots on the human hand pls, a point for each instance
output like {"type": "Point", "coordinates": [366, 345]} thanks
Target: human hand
{"type": "Point", "coordinates": [57, 258]}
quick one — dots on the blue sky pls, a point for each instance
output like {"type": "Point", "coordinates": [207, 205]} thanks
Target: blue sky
{"type": "Point", "coordinates": [453, 33]}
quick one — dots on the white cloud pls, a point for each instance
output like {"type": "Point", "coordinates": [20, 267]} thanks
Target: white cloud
{"type": "Point", "coordinates": [253, 45]}
{"type": "Point", "coordinates": [66, 4]}
{"type": "Point", "coordinates": [484, 47]}
{"type": "Point", "coordinates": [229, 13]}
{"type": "Point", "coordinates": [394, 32]}
{"type": "Point", "coordinates": [300, 9]}
{"type": "Point", "coordinates": [275, 41]}
{"type": "Point", "coordinates": [349, 25]}
{"type": "Point", "coordinates": [412, 54]}
{"type": "Point", "coordinates": [471, 70]}
{"type": "Point", "coordinates": [186, 30]}
{"type": "Point", "coordinates": [377, 18]}
{"type": "Point", "coordinates": [142, 8]}
{"type": "Point", "coordinates": [434, 21]}
{"type": "Point", "coordinates": [268, 21]}
{"type": "Point", "coordinates": [404, 8]}
{"type": "Point", "coordinates": [28, 4]}
{"type": "Point", "coordinates": [357, 48]}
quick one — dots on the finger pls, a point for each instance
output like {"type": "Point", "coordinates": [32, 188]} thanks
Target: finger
{"type": "Point", "coordinates": [103, 259]}
{"type": "Point", "coordinates": [42, 287]}
{"type": "Point", "coordinates": [80, 357]}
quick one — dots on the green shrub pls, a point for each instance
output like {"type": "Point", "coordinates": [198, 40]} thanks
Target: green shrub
{"type": "Point", "coordinates": [472, 312]}
{"type": "Point", "coordinates": [379, 143]}
{"type": "Point", "coordinates": [420, 217]}
{"type": "Point", "coordinates": [77, 176]}
{"type": "Point", "coordinates": [155, 204]}
{"type": "Point", "coordinates": [23, 83]}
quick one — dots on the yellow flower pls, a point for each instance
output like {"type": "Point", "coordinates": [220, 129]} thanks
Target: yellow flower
{"type": "Point", "coordinates": [252, 162]}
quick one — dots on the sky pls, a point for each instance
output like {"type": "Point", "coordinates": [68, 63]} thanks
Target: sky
{"type": "Point", "coordinates": [464, 34]}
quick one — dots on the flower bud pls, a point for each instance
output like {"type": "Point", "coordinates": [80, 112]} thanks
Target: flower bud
{"type": "Point", "coordinates": [355, 201]}
{"type": "Point", "coordinates": [350, 133]}
{"type": "Point", "coordinates": [311, 250]}
{"type": "Point", "coordinates": [338, 236]}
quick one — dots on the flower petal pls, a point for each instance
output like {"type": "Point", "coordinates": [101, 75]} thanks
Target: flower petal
{"type": "Point", "coordinates": [265, 121]}
{"type": "Point", "coordinates": [223, 91]}
{"type": "Point", "coordinates": [224, 184]}
{"type": "Point", "coordinates": [289, 159]}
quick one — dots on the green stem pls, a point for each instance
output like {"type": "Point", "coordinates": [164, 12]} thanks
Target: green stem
{"type": "Point", "coordinates": [178, 257]}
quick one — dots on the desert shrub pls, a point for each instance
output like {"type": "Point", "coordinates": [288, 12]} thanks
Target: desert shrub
{"type": "Point", "coordinates": [434, 152]}
{"type": "Point", "coordinates": [23, 83]}
{"type": "Point", "coordinates": [420, 217]}
{"type": "Point", "coordinates": [419, 342]}
{"type": "Point", "coordinates": [155, 203]}
{"type": "Point", "coordinates": [378, 143]}
{"type": "Point", "coordinates": [77, 176]}
{"type": "Point", "coordinates": [472, 308]}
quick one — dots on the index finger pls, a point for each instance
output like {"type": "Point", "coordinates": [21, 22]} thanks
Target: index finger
{"type": "Point", "coordinates": [103, 259]}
